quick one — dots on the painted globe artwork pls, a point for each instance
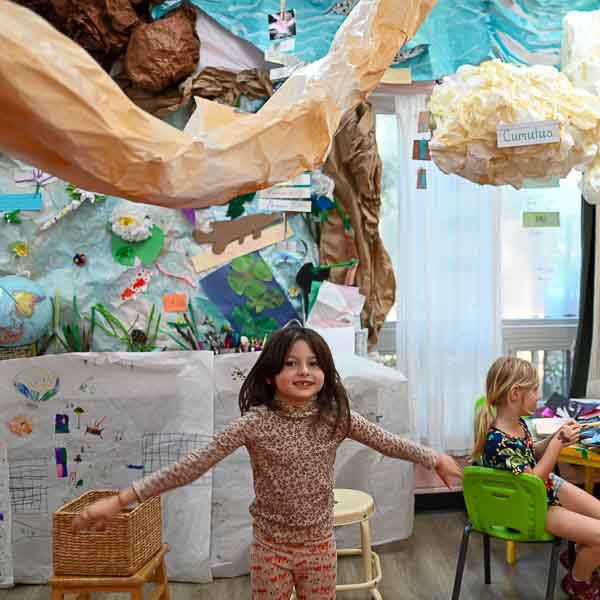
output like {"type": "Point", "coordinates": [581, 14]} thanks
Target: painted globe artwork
{"type": "Point", "coordinates": [25, 311]}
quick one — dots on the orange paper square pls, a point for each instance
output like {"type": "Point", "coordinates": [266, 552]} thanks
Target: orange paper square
{"type": "Point", "coordinates": [173, 303]}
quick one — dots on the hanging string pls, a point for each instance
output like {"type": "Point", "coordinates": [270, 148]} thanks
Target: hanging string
{"type": "Point", "coordinates": [282, 7]}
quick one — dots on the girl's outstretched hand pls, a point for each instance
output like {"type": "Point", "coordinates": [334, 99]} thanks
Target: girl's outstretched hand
{"type": "Point", "coordinates": [97, 515]}
{"type": "Point", "coordinates": [447, 467]}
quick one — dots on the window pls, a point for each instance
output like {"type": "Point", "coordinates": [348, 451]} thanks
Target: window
{"type": "Point", "coordinates": [540, 278]}
{"type": "Point", "coordinates": [540, 264]}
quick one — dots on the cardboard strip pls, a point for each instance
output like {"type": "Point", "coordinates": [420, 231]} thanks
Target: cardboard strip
{"type": "Point", "coordinates": [269, 236]}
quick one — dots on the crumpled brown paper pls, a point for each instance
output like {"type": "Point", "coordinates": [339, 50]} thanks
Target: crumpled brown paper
{"type": "Point", "coordinates": [355, 166]}
{"type": "Point", "coordinates": [211, 83]}
{"type": "Point", "coordinates": [60, 112]}
{"type": "Point", "coordinates": [162, 52]}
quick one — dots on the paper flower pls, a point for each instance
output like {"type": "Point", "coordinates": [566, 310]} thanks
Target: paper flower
{"type": "Point", "coordinates": [131, 223]}
{"type": "Point", "coordinates": [19, 249]}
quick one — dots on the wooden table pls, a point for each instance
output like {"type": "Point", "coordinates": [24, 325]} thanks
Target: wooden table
{"type": "Point", "coordinates": [153, 571]}
{"type": "Point", "coordinates": [573, 456]}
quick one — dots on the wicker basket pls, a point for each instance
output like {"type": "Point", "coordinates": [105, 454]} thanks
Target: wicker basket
{"type": "Point", "coordinates": [130, 540]}
{"type": "Point", "coordinates": [18, 352]}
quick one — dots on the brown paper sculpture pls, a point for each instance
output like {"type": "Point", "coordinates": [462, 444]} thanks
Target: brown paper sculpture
{"type": "Point", "coordinates": [61, 112]}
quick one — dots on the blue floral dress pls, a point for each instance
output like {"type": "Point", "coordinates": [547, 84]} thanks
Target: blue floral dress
{"type": "Point", "coordinates": [505, 451]}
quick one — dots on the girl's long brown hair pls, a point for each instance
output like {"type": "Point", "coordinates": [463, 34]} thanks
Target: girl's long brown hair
{"type": "Point", "coordinates": [332, 400]}
{"type": "Point", "coordinates": [506, 373]}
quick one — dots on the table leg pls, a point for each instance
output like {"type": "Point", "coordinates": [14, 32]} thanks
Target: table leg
{"type": "Point", "coordinates": [511, 552]}
{"type": "Point", "coordinates": [589, 480]}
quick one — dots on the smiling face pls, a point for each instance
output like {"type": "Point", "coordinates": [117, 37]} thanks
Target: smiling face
{"type": "Point", "coordinates": [301, 377]}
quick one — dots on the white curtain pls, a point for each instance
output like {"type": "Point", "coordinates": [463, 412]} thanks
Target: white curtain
{"type": "Point", "coordinates": [448, 298]}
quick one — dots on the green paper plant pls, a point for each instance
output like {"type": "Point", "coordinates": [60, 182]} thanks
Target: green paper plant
{"type": "Point", "coordinates": [250, 324]}
{"type": "Point", "coordinates": [75, 335]}
{"type": "Point", "coordinates": [248, 277]}
{"type": "Point", "coordinates": [136, 340]}
{"type": "Point", "coordinates": [194, 333]}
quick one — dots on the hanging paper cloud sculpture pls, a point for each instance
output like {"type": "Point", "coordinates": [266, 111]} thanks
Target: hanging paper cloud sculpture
{"type": "Point", "coordinates": [468, 107]}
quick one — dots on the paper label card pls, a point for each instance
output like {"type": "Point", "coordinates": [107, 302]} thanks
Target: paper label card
{"type": "Point", "coordinates": [283, 205]}
{"type": "Point", "coordinates": [421, 150]}
{"type": "Point", "coordinates": [541, 219]}
{"type": "Point", "coordinates": [282, 25]}
{"type": "Point", "coordinates": [422, 179]}
{"type": "Point", "coordinates": [285, 192]}
{"type": "Point", "coordinates": [175, 303]}
{"type": "Point", "coordinates": [9, 202]}
{"type": "Point", "coordinates": [528, 133]}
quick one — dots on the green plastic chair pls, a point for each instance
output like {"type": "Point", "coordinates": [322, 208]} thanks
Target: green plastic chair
{"type": "Point", "coordinates": [508, 507]}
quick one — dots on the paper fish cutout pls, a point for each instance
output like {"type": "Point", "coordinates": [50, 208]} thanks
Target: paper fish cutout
{"type": "Point", "coordinates": [140, 284]}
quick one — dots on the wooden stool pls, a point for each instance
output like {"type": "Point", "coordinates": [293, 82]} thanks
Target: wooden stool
{"type": "Point", "coordinates": [352, 506]}
{"type": "Point", "coordinates": [153, 571]}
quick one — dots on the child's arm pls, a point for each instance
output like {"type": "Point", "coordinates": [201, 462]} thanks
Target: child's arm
{"type": "Point", "coordinates": [190, 468]}
{"type": "Point", "coordinates": [566, 435]}
{"type": "Point", "coordinates": [389, 444]}
{"type": "Point", "coordinates": [571, 430]}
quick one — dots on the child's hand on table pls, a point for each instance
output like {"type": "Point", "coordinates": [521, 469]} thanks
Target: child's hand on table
{"type": "Point", "coordinates": [569, 433]}
{"type": "Point", "coordinates": [447, 467]}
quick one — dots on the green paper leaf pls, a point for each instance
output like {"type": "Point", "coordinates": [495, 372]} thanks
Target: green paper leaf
{"type": "Point", "coordinates": [235, 207]}
{"type": "Point", "coordinates": [262, 271]}
{"type": "Point", "coordinates": [254, 290]}
{"type": "Point", "coordinates": [147, 250]}
{"type": "Point", "coordinates": [237, 282]}
{"type": "Point", "coordinates": [243, 264]}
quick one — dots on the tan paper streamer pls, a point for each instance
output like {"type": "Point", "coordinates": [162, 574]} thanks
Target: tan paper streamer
{"type": "Point", "coordinates": [468, 106]}
{"type": "Point", "coordinates": [59, 111]}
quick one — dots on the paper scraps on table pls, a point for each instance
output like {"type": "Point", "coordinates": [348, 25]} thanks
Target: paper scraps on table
{"type": "Point", "coordinates": [140, 284]}
{"type": "Point", "coordinates": [225, 232]}
{"type": "Point", "coordinates": [185, 278]}
{"type": "Point", "coordinates": [175, 303]}
{"type": "Point", "coordinates": [421, 150]}
{"type": "Point", "coordinates": [269, 236]}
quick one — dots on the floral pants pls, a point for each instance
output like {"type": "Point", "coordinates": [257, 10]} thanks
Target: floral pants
{"type": "Point", "coordinates": [277, 569]}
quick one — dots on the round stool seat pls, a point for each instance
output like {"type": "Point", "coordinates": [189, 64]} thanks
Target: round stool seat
{"type": "Point", "coordinates": [351, 506]}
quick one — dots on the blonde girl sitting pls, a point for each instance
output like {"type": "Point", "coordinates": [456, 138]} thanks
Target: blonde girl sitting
{"type": "Point", "coordinates": [503, 441]}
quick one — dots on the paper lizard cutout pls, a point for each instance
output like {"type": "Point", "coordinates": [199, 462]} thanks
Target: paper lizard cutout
{"type": "Point", "coordinates": [225, 232]}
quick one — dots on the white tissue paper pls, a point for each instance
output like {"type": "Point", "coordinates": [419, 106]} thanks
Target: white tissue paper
{"type": "Point", "coordinates": [468, 106]}
{"type": "Point", "coordinates": [580, 58]}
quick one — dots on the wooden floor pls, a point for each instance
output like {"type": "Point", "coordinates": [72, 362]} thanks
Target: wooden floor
{"type": "Point", "coordinates": [421, 568]}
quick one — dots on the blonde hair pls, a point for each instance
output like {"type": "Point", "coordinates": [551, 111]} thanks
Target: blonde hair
{"type": "Point", "coordinates": [506, 373]}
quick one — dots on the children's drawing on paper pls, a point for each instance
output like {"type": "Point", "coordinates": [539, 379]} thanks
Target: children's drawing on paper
{"type": "Point", "coordinates": [20, 426]}
{"type": "Point", "coordinates": [37, 384]}
{"type": "Point", "coordinates": [96, 428]}
{"type": "Point", "coordinates": [28, 481]}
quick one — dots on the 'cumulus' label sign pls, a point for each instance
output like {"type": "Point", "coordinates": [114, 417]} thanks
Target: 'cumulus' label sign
{"type": "Point", "coordinates": [527, 134]}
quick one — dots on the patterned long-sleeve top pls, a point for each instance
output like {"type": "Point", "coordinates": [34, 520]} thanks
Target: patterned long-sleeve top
{"type": "Point", "coordinates": [513, 453]}
{"type": "Point", "coordinates": [292, 455]}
